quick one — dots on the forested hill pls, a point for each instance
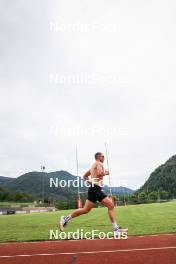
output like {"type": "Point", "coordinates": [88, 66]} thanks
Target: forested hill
{"type": "Point", "coordinates": [162, 178]}
{"type": "Point", "coordinates": [5, 179]}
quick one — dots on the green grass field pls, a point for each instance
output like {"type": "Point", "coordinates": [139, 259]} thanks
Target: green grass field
{"type": "Point", "coordinates": [140, 219]}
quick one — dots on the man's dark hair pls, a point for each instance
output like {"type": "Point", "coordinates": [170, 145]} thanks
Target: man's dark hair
{"type": "Point", "coordinates": [97, 154]}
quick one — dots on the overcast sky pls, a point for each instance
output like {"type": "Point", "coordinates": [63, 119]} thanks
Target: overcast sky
{"type": "Point", "coordinates": [84, 73]}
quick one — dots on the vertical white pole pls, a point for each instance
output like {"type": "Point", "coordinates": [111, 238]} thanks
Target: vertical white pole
{"type": "Point", "coordinates": [43, 191]}
{"type": "Point", "coordinates": [77, 171]}
{"type": "Point", "coordinates": [107, 160]}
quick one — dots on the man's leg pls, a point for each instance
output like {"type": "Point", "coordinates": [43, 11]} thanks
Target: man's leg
{"type": "Point", "coordinates": [87, 207]}
{"type": "Point", "coordinates": [107, 202]}
{"type": "Point", "coordinates": [65, 219]}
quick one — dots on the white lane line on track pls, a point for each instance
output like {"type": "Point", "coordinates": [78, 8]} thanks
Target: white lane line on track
{"type": "Point", "coordinates": [89, 252]}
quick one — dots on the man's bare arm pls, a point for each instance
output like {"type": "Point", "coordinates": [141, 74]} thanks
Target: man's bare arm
{"type": "Point", "coordinates": [86, 175]}
{"type": "Point", "coordinates": [101, 172]}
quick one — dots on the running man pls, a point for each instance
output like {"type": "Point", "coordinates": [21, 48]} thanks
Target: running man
{"type": "Point", "coordinates": [95, 177]}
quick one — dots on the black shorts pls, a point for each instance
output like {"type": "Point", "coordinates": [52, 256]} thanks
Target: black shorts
{"type": "Point", "coordinates": [95, 194]}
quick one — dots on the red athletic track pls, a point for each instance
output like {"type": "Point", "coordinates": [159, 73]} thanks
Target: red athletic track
{"type": "Point", "coordinates": [157, 249]}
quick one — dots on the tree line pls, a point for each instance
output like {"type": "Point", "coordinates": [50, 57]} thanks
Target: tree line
{"type": "Point", "coordinates": [142, 197]}
{"type": "Point", "coordinates": [5, 195]}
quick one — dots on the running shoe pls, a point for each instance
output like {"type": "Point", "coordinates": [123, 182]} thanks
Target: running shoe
{"type": "Point", "coordinates": [62, 223]}
{"type": "Point", "coordinates": [119, 230]}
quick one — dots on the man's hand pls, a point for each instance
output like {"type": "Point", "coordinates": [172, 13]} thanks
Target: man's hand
{"type": "Point", "coordinates": [106, 172]}
{"type": "Point", "coordinates": [86, 176]}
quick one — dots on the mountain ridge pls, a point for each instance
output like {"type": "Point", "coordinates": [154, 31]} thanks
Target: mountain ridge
{"type": "Point", "coordinates": [162, 178]}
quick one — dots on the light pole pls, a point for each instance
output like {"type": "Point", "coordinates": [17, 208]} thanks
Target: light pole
{"type": "Point", "coordinates": [107, 160]}
{"type": "Point", "coordinates": [77, 172]}
{"type": "Point", "coordinates": [43, 170]}
{"type": "Point", "coordinates": [158, 196]}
